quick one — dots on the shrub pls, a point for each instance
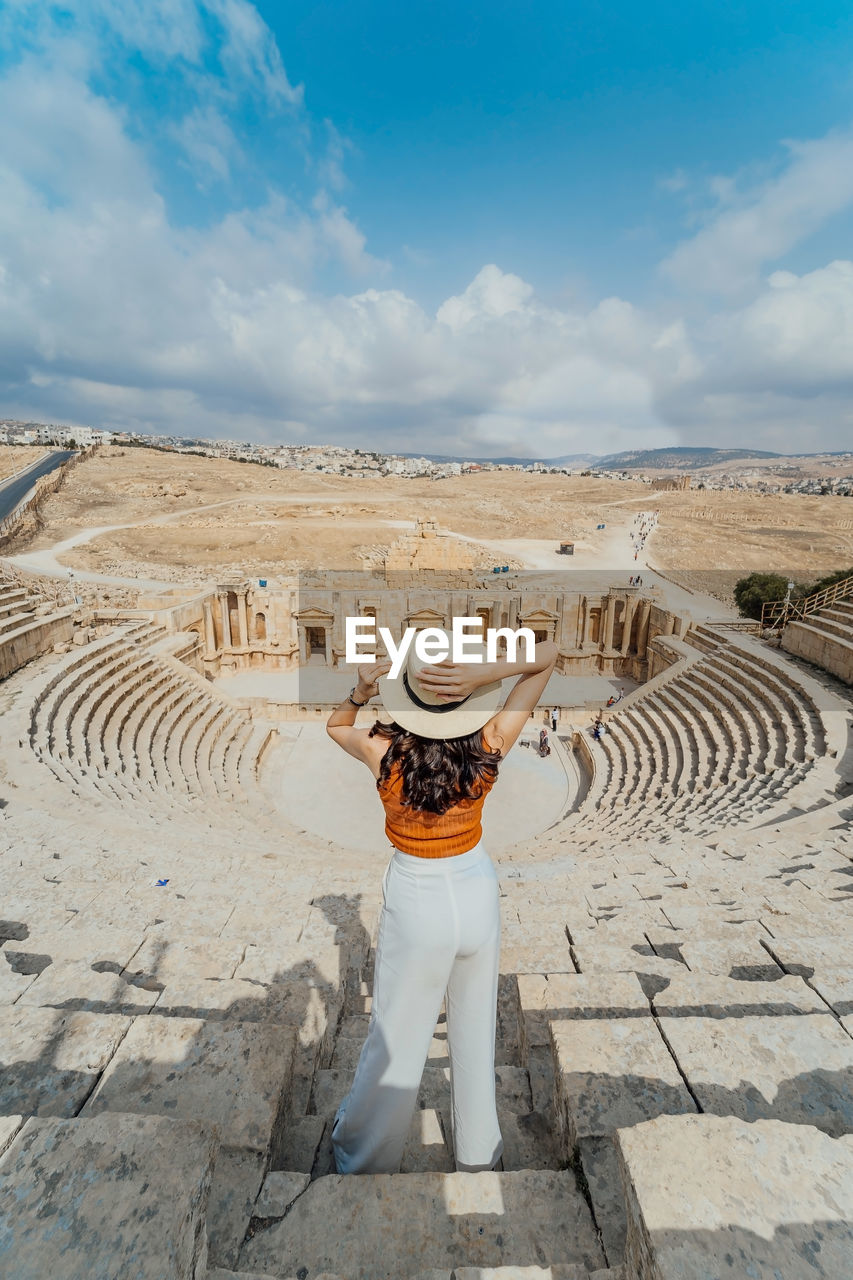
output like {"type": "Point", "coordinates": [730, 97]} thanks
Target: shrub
{"type": "Point", "coordinates": [755, 590]}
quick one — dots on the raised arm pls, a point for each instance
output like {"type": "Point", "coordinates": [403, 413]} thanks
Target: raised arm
{"type": "Point", "coordinates": [456, 680]}
{"type": "Point", "coordinates": [340, 725]}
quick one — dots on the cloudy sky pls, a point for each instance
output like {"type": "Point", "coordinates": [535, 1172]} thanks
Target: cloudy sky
{"type": "Point", "coordinates": [486, 228]}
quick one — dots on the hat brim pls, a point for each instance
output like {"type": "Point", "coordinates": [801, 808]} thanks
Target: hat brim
{"type": "Point", "coordinates": [456, 722]}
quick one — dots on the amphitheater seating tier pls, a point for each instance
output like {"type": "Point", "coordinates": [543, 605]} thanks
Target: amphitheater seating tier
{"type": "Point", "coordinates": [735, 735]}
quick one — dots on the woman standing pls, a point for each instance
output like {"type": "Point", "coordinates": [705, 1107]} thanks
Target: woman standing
{"type": "Point", "coordinates": [435, 758]}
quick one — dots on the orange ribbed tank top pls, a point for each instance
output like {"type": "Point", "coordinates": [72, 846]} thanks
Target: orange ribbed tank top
{"type": "Point", "coordinates": [432, 835]}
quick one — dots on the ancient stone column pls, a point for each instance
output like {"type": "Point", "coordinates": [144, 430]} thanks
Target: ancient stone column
{"type": "Point", "coordinates": [243, 619]}
{"type": "Point", "coordinates": [209, 630]}
{"type": "Point", "coordinates": [609, 619]}
{"type": "Point", "coordinates": [226, 621]}
{"type": "Point", "coordinates": [627, 623]}
{"type": "Point", "coordinates": [643, 630]}
{"type": "Point", "coordinates": [587, 635]}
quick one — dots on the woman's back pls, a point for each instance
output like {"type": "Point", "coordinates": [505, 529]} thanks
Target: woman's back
{"type": "Point", "coordinates": [429, 834]}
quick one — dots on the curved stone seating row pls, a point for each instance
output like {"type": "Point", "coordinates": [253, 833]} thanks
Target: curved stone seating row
{"type": "Point", "coordinates": [119, 721]}
{"type": "Point", "coordinates": [30, 625]}
{"type": "Point", "coordinates": [825, 638]}
{"type": "Point", "coordinates": [723, 741]}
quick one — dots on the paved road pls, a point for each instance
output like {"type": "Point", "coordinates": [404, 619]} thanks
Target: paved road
{"type": "Point", "coordinates": [13, 491]}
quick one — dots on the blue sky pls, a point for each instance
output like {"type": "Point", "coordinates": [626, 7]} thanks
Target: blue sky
{"type": "Point", "coordinates": [531, 228]}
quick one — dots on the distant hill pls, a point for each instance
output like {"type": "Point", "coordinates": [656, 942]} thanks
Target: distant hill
{"type": "Point", "coordinates": [680, 459]}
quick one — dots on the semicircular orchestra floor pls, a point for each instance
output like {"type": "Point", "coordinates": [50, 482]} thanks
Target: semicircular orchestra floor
{"type": "Point", "coordinates": [323, 790]}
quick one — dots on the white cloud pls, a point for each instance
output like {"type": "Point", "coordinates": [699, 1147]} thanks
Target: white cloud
{"type": "Point", "coordinates": [491, 295]}
{"type": "Point", "coordinates": [209, 144]}
{"type": "Point", "coordinates": [751, 227]}
{"type": "Point", "coordinates": [250, 50]}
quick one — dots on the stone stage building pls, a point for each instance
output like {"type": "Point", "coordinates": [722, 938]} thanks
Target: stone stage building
{"type": "Point", "coordinates": [285, 626]}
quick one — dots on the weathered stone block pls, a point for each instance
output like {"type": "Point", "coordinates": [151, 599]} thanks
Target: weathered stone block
{"type": "Point", "coordinates": [237, 1180]}
{"type": "Point", "coordinates": [568, 996]}
{"type": "Point", "coordinates": [300, 1143]}
{"type": "Point", "coordinates": [711, 996]}
{"type": "Point", "coordinates": [235, 1075]}
{"type": "Point", "coordinates": [9, 1126]}
{"type": "Point", "coordinates": [115, 1195]}
{"type": "Point", "coordinates": [745, 959]}
{"type": "Point", "coordinates": [74, 986]}
{"type": "Point", "coordinates": [797, 1068]}
{"type": "Point", "coordinates": [836, 988]}
{"type": "Point", "coordinates": [278, 1193]}
{"type": "Point", "coordinates": [612, 1074]}
{"type": "Point", "coordinates": [428, 1145]}
{"type": "Point", "coordinates": [711, 1196]}
{"type": "Point", "coordinates": [49, 1061]}
{"type": "Point", "coordinates": [12, 984]}
{"type": "Point", "coordinates": [318, 963]}
{"type": "Point", "coordinates": [389, 1226]}
{"type": "Point", "coordinates": [600, 1163]}
{"type": "Point", "coordinates": [159, 960]}
{"type": "Point", "coordinates": [529, 1141]}
{"type": "Point", "coordinates": [805, 955]}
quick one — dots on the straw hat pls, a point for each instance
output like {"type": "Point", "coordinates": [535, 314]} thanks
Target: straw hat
{"type": "Point", "coordinates": [413, 707]}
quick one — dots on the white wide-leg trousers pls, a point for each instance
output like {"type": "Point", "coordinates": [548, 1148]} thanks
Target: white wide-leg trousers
{"type": "Point", "coordinates": [439, 935]}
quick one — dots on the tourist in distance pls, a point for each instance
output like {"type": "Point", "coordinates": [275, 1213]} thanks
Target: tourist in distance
{"type": "Point", "coordinates": [544, 744]}
{"type": "Point", "coordinates": [435, 757]}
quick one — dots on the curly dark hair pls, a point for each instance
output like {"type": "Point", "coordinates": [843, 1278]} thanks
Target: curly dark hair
{"type": "Point", "coordinates": [437, 773]}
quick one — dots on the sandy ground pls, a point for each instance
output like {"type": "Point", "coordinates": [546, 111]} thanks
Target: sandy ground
{"type": "Point", "coordinates": [139, 517]}
{"type": "Point", "coordinates": [531, 793]}
{"type": "Point", "coordinates": [14, 458]}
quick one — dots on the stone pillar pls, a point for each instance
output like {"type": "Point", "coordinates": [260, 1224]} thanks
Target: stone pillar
{"type": "Point", "coordinates": [643, 629]}
{"type": "Point", "coordinates": [627, 623]}
{"type": "Point", "coordinates": [609, 620]}
{"type": "Point", "coordinates": [226, 621]}
{"type": "Point", "coordinates": [587, 623]}
{"type": "Point", "coordinates": [243, 619]}
{"type": "Point", "coordinates": [209, 631]}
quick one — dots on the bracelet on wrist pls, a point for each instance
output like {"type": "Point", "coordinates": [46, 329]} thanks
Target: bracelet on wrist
{"type": "Point", "coordinates": [351, 699]}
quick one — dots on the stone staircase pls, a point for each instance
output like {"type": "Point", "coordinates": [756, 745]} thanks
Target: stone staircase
{"type": "Point", "coordinates": [825, 638]}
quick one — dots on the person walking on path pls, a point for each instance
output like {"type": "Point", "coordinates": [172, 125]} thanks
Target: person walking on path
{"type": "Point", "coordinates": [435, 758]}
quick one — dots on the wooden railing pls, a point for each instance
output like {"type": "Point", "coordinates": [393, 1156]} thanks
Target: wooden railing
{"type": "Point", "coordinates": [775, 613]}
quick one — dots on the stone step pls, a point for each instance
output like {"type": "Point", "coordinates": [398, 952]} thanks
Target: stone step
{"type": "Point", "coordinates": [718, 1197]}
{"type": "Point", "coordinates": [50, 1061]}
{"type": "Point", "coordinates": [713, 996]}
{"type": "Point", "coordinates": [613, 1073]}
{"type": "Point", "coordinates": [793, 1067]}
{"type": "Point", "coordinates": [390, 1227]}
{"type": "Point", "coordinates": [512, 1087]}
{"type": "Point", "coordinates": [542, 997]}
{"type": "Point", "coordinates": [102, 1196]}
{"type": "Point", "coordinates": [236, 1075]}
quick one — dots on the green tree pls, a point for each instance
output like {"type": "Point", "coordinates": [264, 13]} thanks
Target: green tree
{"type": "Point", "coordinates": [755, 590]}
